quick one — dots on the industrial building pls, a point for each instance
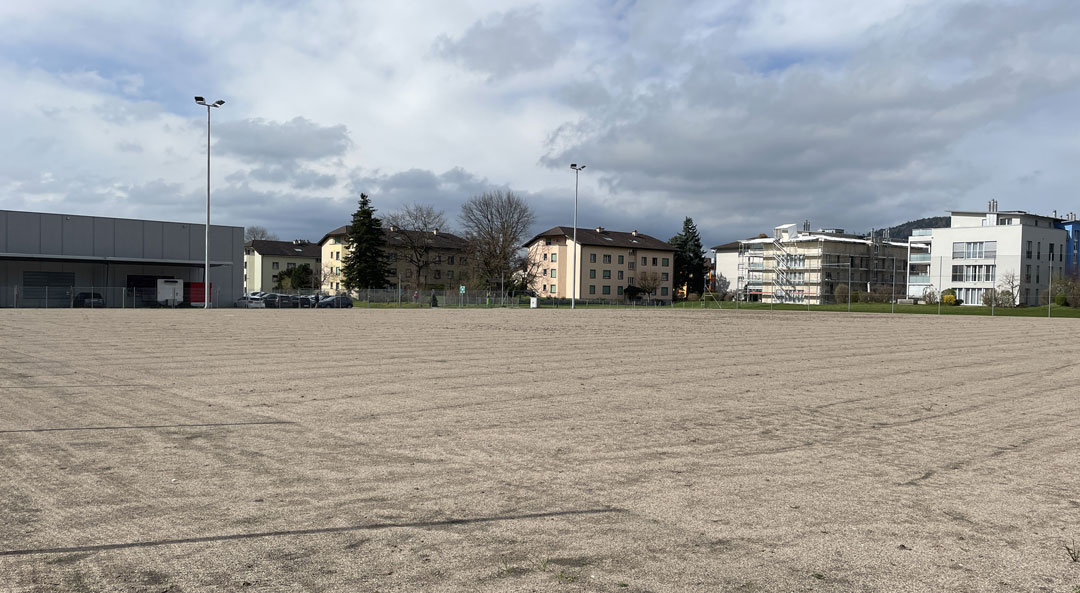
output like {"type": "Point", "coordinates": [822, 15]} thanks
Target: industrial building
{"type": "Point", "coordinates": [64, 260]}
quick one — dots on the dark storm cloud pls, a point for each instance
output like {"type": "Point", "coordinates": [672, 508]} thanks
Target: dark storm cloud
{"type": "Point", "coordinates": [858, 142]}
{"type": "Point", "coordinates": [258, 140]}
{"type": "Point", "coordinates": [503, 44]}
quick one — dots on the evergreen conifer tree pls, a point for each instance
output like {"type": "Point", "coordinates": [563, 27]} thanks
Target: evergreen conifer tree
{"type": "Point", "coordinates": [364, 266]}
{"type": "Point", "coordinates": [689, 259]}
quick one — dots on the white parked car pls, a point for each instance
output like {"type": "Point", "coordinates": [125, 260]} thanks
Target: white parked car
{"type": "Point", "coordinates": [250, 302]}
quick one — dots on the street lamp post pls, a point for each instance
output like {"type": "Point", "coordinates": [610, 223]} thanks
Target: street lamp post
{"type": "Point", "coordinates": [206, 247]}
{"type": "Point", "coordinates": [573, 257]}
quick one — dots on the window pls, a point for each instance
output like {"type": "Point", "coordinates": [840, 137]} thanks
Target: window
{"type": "Point", "coordinates": [274, 266]}
{"type": "Point", "coordinates": [1038, 254]}
{"type": "Point", "coordinates": [449, 274]}
{"type": "Point", "coordinates": [274, 278]}
{"type": "Point", "coordinates": [545, 271]}
{"type": "Point", "coordinates": [552, 291]}
{"type": "Point", "coordinates": [666, 262]}
{"type": "Point", "coordinates": [337, 255]}
{"type": "Point", "coordinates": [547, 242]}
{"type": "Point", "coordinates": [630, 281]}
{"type": "Point", "coordinates": [1028, 252]}
{"type": "Point", "coordinates": [664, 276]}
{"type": "Point", "coordinates": [290, 265]}
{"type": "Point", "coordinates": [620, 274]}
{"type": "Point", "coordinates": [644, 261]}
{"type": "Point", "coordinates": [630, 266]}
{"type": "Point", "coordinates": [592, 273]}
{"type": "Point", "coordinates": [553, 272]}
{"type": "Point", "coordinates": [592, 289]}
{"type": "Point", "coordinates": [438, 259]}
{"type": "Point", "coordinates": [592, 258]}
{"type": "Point", "coordinates": [1027, 273]}
{"type": "Point", "coordinates": [618, 290]}
{"type": "Point", "coordinates": [554, 257]}
{"type": "Point", "coordinates": [663, 291]}
{"type": "Point", "coordinates": [545, 257]}
{"type": "Point", "coordinates": [606, 289]}
{"type": "Point", "coordinates": [450, 260]}
{"type": "Point", "coordinates": [606, 274]}
{"type": "Point", "coordinates": [607, 259]}
{"type": "Point", "coordinates": [620, 260]}
{"type": "Point", "coordinates": [438, 274]}
{"type": "Point", "coordinates": [654, 261]}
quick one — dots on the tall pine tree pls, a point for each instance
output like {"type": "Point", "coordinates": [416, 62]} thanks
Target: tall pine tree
{"type": "Point", "coordinates": [690, 266]}
{"type": "Point", "coordinates": [364, 265]}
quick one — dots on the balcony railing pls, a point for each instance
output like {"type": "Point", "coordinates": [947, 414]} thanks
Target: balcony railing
{"type": "Point", "coordinates": [922, 232]}
{"type": "Point", "coordinates": [919, 279]}
{"type": "Point", "coordinates": [920, 257]}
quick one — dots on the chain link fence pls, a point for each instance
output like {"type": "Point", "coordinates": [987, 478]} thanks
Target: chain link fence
{"type": "Point", "coordinates": [96, 297]}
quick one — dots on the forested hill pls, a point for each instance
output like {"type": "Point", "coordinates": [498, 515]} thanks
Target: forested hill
{"type": "Point", "coordinates": [901, 232]}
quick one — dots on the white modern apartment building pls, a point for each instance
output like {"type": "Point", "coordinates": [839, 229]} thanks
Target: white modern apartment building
{"type": "Point", "coordinates": [982, 250]}
{"type": "Point", "coordinates": [804, 266]}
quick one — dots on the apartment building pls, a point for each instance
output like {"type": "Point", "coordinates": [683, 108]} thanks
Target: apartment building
{"type": "Point", "coordinates": [726, 264]}
{"type": "Point", "coordinates": [806, 266]}
{"type": "Point", "coordinates": [981, 250]}
{"type": "Point", "coordinates": [263, 260]}
{"type": "Point", "coordinates": [610, 265]}
{"type": "Point", "coordinates": [418, 260]}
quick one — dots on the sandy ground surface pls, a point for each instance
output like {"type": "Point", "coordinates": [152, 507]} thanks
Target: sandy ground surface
{"type": "Point", "coordinates": [517, 450]}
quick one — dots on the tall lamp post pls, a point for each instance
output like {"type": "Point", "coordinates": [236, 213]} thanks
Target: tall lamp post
{"type": "Point", "coordinates": [206, 247]}
{"type": "Point", "coordinates": [573, 257]}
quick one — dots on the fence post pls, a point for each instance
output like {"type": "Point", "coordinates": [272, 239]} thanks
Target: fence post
{"type": "Point", "coordinates": [46, 297]}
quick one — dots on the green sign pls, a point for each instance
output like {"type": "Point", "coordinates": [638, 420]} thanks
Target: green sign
{"type": "Point", "coordinates": [462, 289]}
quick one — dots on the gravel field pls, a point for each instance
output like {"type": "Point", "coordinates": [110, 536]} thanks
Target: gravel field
{"type": "Point", "coordinates": [537, 450]}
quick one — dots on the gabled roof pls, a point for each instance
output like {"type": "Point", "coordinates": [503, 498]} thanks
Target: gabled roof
{"type": "Point", "coordinates": [733, 246]}
{"type": "Point", "coordinates": [338, 232]}
{"type": "Point", "coordinates": [284, 248]}
{"type": "Point", "coordinates": [440, 240]}
{"type": "Point", "coordinates": [602, 237]}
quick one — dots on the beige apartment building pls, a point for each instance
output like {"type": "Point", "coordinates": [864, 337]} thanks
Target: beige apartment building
{"type": "Point", "coordinates": [418, 260]}
{"type": "Point", "coordinates": [264, 259]}
{"type": "Point", "coordinates": [806, 266]}
{"type": "Point", "coordinates": [611, 265]}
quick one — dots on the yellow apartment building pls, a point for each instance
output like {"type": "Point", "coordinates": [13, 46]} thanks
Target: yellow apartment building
{"type": "Point", "coordinates": [611, 265]}
{"type": "Point", "coordinates": [264, 259]}
{"type": "Point", "coordinates": [418, 260]}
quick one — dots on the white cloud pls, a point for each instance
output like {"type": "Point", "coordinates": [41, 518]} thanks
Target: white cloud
{"type": "Point", "coordinates": [740, 114]}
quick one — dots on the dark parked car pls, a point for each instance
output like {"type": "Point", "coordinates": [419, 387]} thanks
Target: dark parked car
{"type": "Point", "coordinates": [307, 301]}
{"type": "Point", "coordinates": [88, 299]}
{"type": "Point", "coordinates": [340, 301]}
{"type": "Point", "coordinates": [270, 300]}
{"type": "Point", "coordinates": [286, 301]}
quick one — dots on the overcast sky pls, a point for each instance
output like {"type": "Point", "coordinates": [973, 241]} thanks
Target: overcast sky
{"type": "Point", "coordinates": [741, 115]}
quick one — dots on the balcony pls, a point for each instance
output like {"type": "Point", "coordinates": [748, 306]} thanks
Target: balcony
{"type": "Point", "coordinates": [919, 279]}
{"type": "Point", "coordinates": [922, 232]}
{"type": "Point", "coordinates": [920, 257]}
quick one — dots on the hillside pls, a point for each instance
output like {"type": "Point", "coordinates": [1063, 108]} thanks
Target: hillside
{"type": "Point", "coordinates": [901, 232]}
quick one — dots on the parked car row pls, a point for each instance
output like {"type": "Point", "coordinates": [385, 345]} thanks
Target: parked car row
{"type": "Point", "coordinates": [271, 300]}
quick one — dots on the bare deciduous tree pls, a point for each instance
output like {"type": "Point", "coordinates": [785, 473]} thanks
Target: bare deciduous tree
{"type": "Point", "coordinates": [1010, 282]}
{"type": "Point", "coordinates": [258, 233]}
{"type": "Point", "coordinates": [648, 282]}
{"type": "Point", "coordinates": [495, 224]}
{"type": "Point", "coordinates": [411, 236]}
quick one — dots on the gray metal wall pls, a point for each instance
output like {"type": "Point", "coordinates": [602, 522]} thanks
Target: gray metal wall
{"type": "Point", "coordinates": [69, 235]}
